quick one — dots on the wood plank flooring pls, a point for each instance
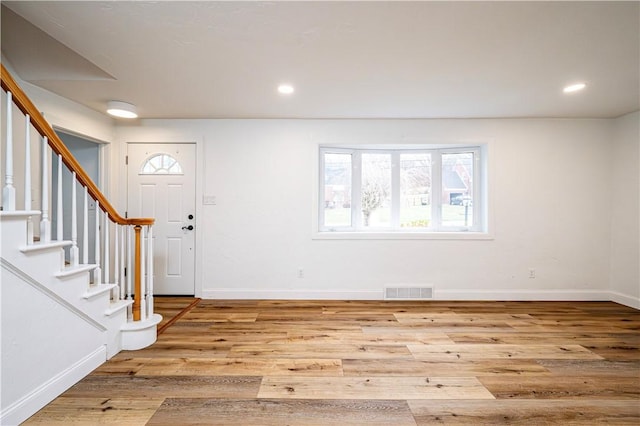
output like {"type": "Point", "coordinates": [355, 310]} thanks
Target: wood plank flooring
{"type": "Point", "coordinates": [172, 309]}
{"type": "Point", "coordinates": [369, 363]}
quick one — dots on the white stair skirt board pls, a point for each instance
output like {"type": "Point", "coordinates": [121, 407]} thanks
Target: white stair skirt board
{"type": "Point", "coordinates": [24, 408]}
{"type": "Point", "coordinates": [140, 334]}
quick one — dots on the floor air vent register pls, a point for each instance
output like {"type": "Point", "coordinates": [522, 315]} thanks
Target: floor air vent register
{"type": "Point", "coordinates": [408, 293]}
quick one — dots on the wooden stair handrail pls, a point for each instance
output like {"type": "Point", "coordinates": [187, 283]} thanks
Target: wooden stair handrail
{"type": "Point", "coordinates": [44, 129]}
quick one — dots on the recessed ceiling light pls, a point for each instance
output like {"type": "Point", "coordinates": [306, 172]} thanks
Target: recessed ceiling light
{"type": "Point", "coordinates": [574, 87]}
{"type": "Point", "coordinates": [121, 109]}
{"type": "Point", "coordinates": [285, 89]}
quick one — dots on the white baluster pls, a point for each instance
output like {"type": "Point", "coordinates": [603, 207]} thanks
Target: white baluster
{"type": "Point", "coordinates": [74, 252]}
{"type": "Point", "coordinates": [97, 273]}
{"type": "Point", "coordinates": [116, 266]}
{"type": "Point", "coordinates": [129, 270]}
{"type": "Point", "coordinates": [85, 227]}
{"type": "Point", "coordinates": [122, 263]}
{"type": "Point", "coordinates": [59, 218]}
{"type": "Point", "coordinates": [27, 163]}
{"type": "Point", "coordinates": [27, 175]}
{"type": "Point", "coordinates": [107, 249]}
{"type": "Point", "coordinates": [150, 271]}
{"type": "Point", "coordinates": [9, 192]}
{"type": "Point", "coordinates": [45, 224]}
{"type": "Point", "coordinates": [143, 278]}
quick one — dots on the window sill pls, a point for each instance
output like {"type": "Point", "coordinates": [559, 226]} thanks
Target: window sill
{"type": "Point", "coordinates": [345, 235]}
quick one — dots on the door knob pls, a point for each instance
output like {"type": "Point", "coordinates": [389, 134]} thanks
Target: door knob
{"type": "Point", "coordinates": [188, 228]}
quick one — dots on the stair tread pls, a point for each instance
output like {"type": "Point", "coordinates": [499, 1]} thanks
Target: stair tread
{"type": "Point", "coordinates": [95, 290]}
{"type": "Point", "coordinates": [153, 320]}
{"type": "Point", "coordinates": [117, 306]}
{"type": "Point", "coordinates": [72, 270]}
{"type": "Point", "coordinates": [38, 245]}
{"type": "Point", "coordinates": [19, 213]}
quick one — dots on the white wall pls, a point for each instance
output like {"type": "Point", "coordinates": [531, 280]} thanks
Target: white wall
{"type": "Point", "coordinates": [46, 347]}
{"type": "Point", "coordinates": [548, 178]}
{"type": "Point", "coordinates": [625, 210]}
{"type": "Point", "coordinates": [62, 114]}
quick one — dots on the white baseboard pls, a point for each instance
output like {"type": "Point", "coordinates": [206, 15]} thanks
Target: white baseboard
{"type": "Point", "coordinates": [506, 295]}
{"type": "Point", "coordinates": [290, 294]}
{"type": "Point", "coordinates": [524, 295]}
{"type": "Point", "coordinates": [28, 405]}
{"type": "Point", "coordinates": [502, 295]}
{"type": "Point", "coordinates": [623, 299]}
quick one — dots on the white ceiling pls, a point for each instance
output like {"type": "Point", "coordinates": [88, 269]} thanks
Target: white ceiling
{"type": "Point", "coordinates": [390, 59]}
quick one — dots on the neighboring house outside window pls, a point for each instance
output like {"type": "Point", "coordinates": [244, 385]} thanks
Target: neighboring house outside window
{"type": "Point", "coordinates": [417, 190]}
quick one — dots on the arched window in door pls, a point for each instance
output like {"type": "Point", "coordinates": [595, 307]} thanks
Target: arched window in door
{"type": "Point", "coordinates": [161, 164]}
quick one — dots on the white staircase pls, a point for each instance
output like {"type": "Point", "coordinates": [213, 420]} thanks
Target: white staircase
{"type": "Point", "coordinates": [60, 319]}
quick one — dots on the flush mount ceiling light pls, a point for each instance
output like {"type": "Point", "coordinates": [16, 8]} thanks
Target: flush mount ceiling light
{"type": "Point", "coordinates": [576, 87]}
{"type": "Point", "coordinates": [285, 89]}
{"type": "Point", "coordinates": [121, 109]}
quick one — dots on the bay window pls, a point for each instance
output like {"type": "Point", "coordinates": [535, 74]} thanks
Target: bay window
{"type": "Point", "coordinates": [402, 190]}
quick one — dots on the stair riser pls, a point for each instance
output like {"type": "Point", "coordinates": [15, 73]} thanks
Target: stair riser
{"type": "Point", "coordinates": [140, 335]}
{"type": "Point", "coordinates": [14, 234]}
{"type": "Point", "coordinates": [42, 265]}
{"type": "Point", "coordinates": [46, 261]}
{"type": "Point", "coordinates": [114, 335]}
{"type": "Point", "coordinates": [70, 288]}
{"type": "Point", "coordinates": [94, 307]}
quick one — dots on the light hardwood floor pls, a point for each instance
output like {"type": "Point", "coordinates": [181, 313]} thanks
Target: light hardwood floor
{"type": "Point", "coordinates": [370, 363]}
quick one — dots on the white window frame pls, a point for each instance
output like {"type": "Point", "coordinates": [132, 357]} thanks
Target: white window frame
{"type": "Point", "coordinates": [478, 230]}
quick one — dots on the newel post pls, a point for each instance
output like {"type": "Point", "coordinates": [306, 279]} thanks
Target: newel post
{"type": "Point", "coordinates": [137, 296]}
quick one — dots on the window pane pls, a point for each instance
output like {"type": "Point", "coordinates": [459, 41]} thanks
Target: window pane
{"type": "Point", "coordinates": [376, 190]}
{"type": "Point", "coordinates": [457, 189]}
{"type": "Point", "coordinates": [415, 190]}
{"type": "Point", "coordinates": [161, 164]}
{"type": "Point", "coordinates": [337, 190]}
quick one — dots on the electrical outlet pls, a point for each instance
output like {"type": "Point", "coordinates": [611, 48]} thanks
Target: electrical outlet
{"type": "Point", "coordinates": [300, 272]}
{"type": "Point", "coordinates": [532, 273]}
{"type": "Point", "coordinates": [209, 200]}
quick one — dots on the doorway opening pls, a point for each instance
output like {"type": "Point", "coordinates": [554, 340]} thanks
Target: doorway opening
{"type": "Point", "coordinates": [87, 152]}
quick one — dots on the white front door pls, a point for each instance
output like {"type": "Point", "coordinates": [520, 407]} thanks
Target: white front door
{"type": "Point", "coordinates": [161, 184]}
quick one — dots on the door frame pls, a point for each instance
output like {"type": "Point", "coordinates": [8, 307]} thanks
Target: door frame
{"type": "Point", "coordinates": [103, 151]}
{"type": "Point", "coordinates": [123, 194]}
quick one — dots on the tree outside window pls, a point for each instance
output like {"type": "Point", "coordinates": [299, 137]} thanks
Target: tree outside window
{"type": "Point", "coordinates": [408, 190]}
